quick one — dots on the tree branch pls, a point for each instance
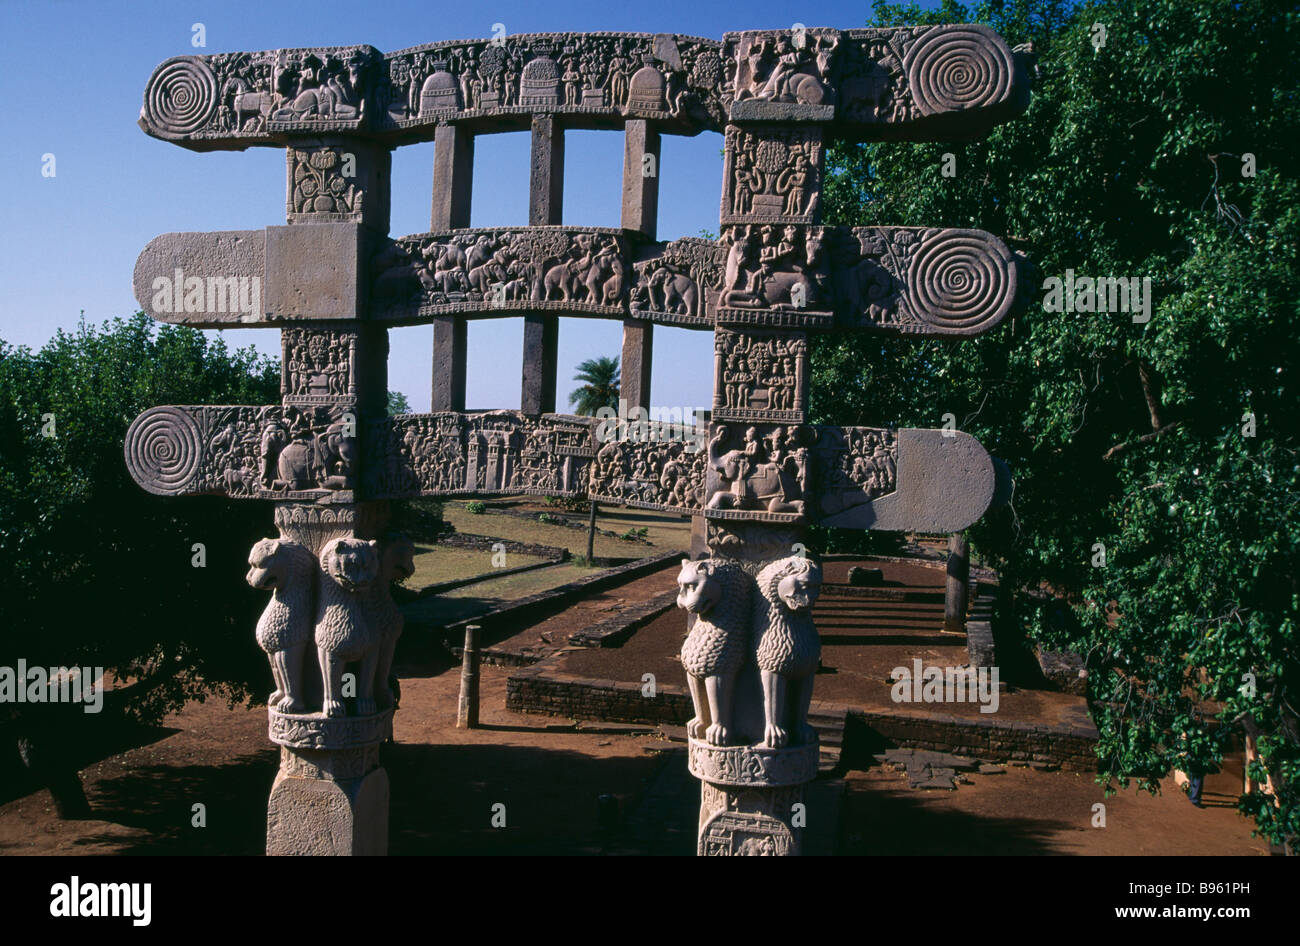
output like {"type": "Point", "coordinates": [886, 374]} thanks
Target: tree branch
{"type": "Point", "coordinates": [1148, 391]}
{"type": "Point", "coordinates": [1145, 438]}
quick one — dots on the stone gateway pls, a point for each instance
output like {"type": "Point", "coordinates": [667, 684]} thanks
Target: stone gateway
{"type": "Point", "coordinates": [333, 280]}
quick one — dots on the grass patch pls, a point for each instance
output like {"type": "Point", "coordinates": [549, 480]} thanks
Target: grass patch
{"type": "Point", "coordinates": [436, 564]}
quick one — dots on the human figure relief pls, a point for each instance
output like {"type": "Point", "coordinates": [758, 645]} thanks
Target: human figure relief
{"type": "Point", "coordinates": [788, 647]}
{"type": "Point", "coordinates": [718, 596]}
{"type": "Point", "coordinates": [286, 569]}
{"type": "Point", "coordinates": [343, 634]}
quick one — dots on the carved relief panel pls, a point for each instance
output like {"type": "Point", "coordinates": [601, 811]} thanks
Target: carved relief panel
{"type": "Point", "coordinates": [772, 174]}
{"type": "Point", "coordinates": [318, 366]}
{"type": "Point", "coordinates": [466, 454]}
{"type": "Point", "coordinates": [760, 376]}
{"type": "Point", "coordinates": [531, 268]}
{"type": "Point", "coordinates": [666, 473]}
{"type": "Point", "coordinates": [680, 80]}
{"type": "Point", "coordinates": [774, 276]}
{"type": "Point", "coordinates": [289, 452]}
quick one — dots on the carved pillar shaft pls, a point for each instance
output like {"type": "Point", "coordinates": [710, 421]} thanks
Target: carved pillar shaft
{"type": "Point", "coordinates": [450, 352]}
{"type": "Point", "coordinates": [453, 181]}
{"type": "Point", "coordinates": [331, 626]}
{"type": "Point", "coordinates": [640, 212]}
{"type": "Point", "coordinates": [545, 202]}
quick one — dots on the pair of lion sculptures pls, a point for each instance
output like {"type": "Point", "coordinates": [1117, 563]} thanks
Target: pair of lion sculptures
{"type": "Point", "coordinates": [739, 619]}
{"type": "Point", "coordinates": [342, 605]}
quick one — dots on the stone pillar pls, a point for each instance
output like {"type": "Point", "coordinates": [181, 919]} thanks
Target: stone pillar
{"type": "Point", "coordinates": [453, 182]}
{"type": "Point", "coordinates": [752, 650]}
{"type": "Point", "coordinates": [751, 657]}
{"type": "Point", "coordinates": [545, 202]}
{"type": "Point", "coordinates": [546, 172]}
{"type": "Point", "coordinates": [331, 626]}
{"type": "Point", "coordinates": [640, 212]}
{"type": "Point", "coordinates": [541, 351]}
{"type": "Point", "coordinates": [453, 177]}
{"type": "Point", "coordinates": [958, 583]}
{"type": "Point", "coordinates": [467, 705]}
{"type": "Point", "coordinates": [330, 795]}
{"type": "Point", "coordinates": [450, 353]}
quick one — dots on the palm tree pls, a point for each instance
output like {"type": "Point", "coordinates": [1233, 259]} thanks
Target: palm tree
{"type": "Point", "coordinates": [600, 387]}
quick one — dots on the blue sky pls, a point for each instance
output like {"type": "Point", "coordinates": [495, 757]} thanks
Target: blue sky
{"type": "Point", "coordinates": [72, 77]}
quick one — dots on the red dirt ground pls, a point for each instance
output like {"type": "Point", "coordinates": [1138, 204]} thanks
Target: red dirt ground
{"type": "Point", "coordinates": [549, 772]}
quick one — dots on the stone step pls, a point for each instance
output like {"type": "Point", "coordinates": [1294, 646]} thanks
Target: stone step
{"type": "Point", "coordinates": [829, 721]}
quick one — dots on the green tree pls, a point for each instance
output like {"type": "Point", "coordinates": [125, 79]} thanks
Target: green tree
{"type": "Point", "coordinates": [398, 403]}
{"type": "Point", "coordinates": [101, 573]}
{"type": "Point", "coordinates": [1172, 443]}
{"type": "Point", "coordinates": [600, 386]}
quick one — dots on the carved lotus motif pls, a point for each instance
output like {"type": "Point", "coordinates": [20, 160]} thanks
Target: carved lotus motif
{"type": "Point", "coordinates": [323, 160]}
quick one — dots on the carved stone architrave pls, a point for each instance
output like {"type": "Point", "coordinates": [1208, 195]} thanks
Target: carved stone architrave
{"type": "Point", "coordinates": [499, 272]}
{"type": "Point", "coordinates": [911, 82]}
{"type": "Point", "coordinates": [921, 281]}
{"type": "Point", "coordinates": [492, 453]}
{"type": "Point", "coordinates": [678, 282]}
{"type": "Point", "coordinates": [590, 78]}
{"type": "Point", "coordinates": [283, 453]}
{"type": "Point", "coordinates": [651, 466]}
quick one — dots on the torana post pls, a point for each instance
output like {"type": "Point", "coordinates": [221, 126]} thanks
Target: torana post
{"type": "Point", "coordinates": [333, 281]}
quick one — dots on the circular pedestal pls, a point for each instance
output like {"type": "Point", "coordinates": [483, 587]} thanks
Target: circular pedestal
{"type": "Point", "coordinates": [757, 766]}
{"type": "Point", "coordinates": [334, 732]}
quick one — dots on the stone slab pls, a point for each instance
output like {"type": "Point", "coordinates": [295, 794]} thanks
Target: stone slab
{"type": "Point", "coordinates": [316, 271]}
{"type": "Point", "coordinates": [211, 258]}
{"type": "Point", "coordinates": [908, 82]}
{"type": "Point", "coordinates": [251, 278]}
{"type": "Point", "coordinates": [945, 483]}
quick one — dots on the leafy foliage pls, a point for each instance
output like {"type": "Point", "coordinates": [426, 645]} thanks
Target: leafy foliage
{"type": "Point", "coordinates": [600, 386]}
{"type": "Point", "coordinates": [398, 403]}
{"type": "Point", "coordinates": [1129, 162]}
{"type": "Point", "coordinates": [101, 573]}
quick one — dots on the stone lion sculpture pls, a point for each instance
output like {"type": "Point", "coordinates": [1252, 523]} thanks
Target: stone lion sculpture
{"type": "Point", "coordinates": [718, 595]}
{"type": "Point", "coordinates": [787, 646]}
{"type": "Point", "coordinates": [287, 570]}
{"type": "Point", "coordinates": [396, 563]}
{"type": "Point", "coordinates": [343, 632]}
